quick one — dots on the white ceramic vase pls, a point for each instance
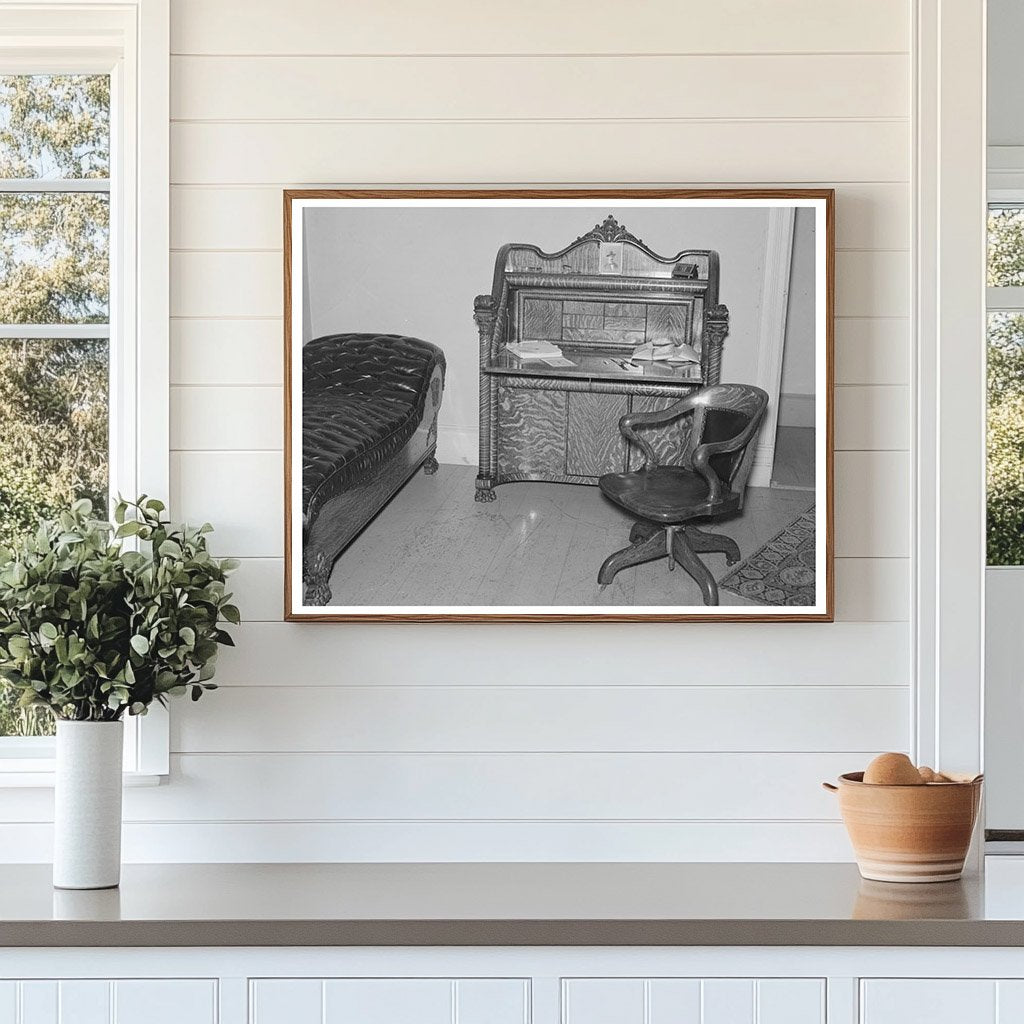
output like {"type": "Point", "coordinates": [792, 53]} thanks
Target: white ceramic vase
{"type": "Point", "coordinates": [87, 806]}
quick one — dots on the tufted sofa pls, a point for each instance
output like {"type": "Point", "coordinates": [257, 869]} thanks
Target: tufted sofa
{"type": "Point", "coordinates": [369, 421]}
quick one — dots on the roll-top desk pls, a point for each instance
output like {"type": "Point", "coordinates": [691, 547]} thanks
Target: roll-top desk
{"type": "Point", "coordinates": [597, 300]}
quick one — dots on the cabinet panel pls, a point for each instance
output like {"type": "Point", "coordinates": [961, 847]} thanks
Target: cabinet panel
{"type": "Point", "coordinates": [594, 444]}
{"type": "Point", "coordinates": [286, 1001]}
{"type": "Point", "coordinates": [728, 1001]}
{"type": "Point", "coordinates": [693, 1001]}
{"type": "Point", "coordinates": [388, 1001]}
{"type": "Point", "coordinates": [38, 1002]}
{"type": "Point", "coordinates": [165, 1002]}
{"type": "Point", "coordinates": [674, 1000]}
{"type": "Point", "coordinates": [85, 1002]}
{"type": "Point", "coordinates": [603, 1001]}
{"type": "Point", "coordinates": [492, 1001]}
{"type": "Point", "coordinates": [531, 432]}
{"type": "Point", "coordinates": [790, 1001]}
{"type": "Point", "coordinates": [929, 1001]}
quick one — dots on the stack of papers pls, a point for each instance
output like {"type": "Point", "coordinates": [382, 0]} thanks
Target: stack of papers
{"type": "Point", "coordinates": [534, 350]}
{"type": "Point", "coordinates": [664, 350]}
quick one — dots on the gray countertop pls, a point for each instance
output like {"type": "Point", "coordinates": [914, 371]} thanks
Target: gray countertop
{"type": "Point", "coordinates": [504, 904]}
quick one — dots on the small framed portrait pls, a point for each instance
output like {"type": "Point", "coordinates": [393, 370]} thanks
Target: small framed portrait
{"type": "Point", "coordinates": [610, 256]}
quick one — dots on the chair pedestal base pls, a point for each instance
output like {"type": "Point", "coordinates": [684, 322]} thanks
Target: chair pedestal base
{"type": "Point", "coordinates": [677, 543]}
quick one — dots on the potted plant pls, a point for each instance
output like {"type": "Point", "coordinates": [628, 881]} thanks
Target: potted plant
{"type": "Point", "coordinates": [99, 620]}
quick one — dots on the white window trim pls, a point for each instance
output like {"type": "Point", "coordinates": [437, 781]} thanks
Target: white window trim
{"type": "Point", "coordinates": [131, 40]}
{"type": "Point", "coordinates": [949, 443]}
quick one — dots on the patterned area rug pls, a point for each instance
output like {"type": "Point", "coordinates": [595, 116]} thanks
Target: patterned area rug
{"type": "Point", "coordinates": [781, 572]}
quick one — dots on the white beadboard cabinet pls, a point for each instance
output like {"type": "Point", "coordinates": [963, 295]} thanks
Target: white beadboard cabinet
{"type": "Point", "coordinates": [513, 985]}
{"type": "Point", "coordinates": [693, 1001]}
{"type": "Point", "coordinates": [942, 1001]}
{"type": "Point", "coordinates": [106, 1001]}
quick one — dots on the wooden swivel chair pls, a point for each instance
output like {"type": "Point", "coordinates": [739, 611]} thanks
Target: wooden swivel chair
{"type": "Point", "coordinates": [717, 458]}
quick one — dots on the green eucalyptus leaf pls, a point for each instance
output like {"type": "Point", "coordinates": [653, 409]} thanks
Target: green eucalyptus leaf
{"type": "Point", "coordinates": [91, 630]}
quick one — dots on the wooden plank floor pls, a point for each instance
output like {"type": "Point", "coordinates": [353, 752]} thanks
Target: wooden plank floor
{"type": "Point", "coordinates": [538, 544]}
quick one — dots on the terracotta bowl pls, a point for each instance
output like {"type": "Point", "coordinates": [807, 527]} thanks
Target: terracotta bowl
{"type": "Point", "coordinates": [909, 833]}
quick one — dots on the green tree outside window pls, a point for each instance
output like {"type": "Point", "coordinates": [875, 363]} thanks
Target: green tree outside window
{"type": "Point", "coordinates": [54, 273]}
{"type": "Point", "coordinates": [1005, 478]}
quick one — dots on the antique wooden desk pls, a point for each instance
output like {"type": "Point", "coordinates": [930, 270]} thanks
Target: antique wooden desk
{"type": "Point", "coordinates": [597, 300]}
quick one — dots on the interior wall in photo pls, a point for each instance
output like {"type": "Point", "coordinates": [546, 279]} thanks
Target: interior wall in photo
{"type": "Point", "coordinates": [591, 741]}
{"type": "Point", "coordinates": [432, 298]}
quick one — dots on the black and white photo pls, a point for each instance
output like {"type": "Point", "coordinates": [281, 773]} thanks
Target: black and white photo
{"type": "Point", "coordinates": [533, 405]}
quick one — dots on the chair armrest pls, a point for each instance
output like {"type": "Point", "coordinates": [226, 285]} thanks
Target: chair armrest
{"type": "Point", "coordinates": [654, 418]}
{"type": "Point", "coordinates": [703, 453]}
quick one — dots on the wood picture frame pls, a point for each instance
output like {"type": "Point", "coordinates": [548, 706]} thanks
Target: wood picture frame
{"type": "Point", "coordinates": [383, 338]}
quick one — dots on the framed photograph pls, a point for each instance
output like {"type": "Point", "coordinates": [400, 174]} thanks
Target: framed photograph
{"type": "Point", "coordinates": [558, 405]}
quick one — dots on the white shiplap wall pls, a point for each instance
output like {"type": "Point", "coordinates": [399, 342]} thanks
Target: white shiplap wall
{"type": "Point", "coordinates": [685, 741]}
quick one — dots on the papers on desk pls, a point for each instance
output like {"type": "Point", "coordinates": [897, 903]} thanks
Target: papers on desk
{"type": "Point", "coordinates": [534, 350]}
{"type": "Point", "coordinates": [663, 350]}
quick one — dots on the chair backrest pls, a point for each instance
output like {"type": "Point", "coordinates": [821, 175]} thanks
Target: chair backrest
{"type": "Point", "coordinates": [723, 412]}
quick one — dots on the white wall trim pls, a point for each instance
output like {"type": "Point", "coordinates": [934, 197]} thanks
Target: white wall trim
{"type": "Point", "coordinates": [778, 258]}
{"type": "Point", "coordinates": [136, 50]}
{"type": "Point", "coordinates": [949, 447]}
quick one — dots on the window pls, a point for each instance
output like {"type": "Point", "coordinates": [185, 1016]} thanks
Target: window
{"type": "Point", "coordinates": [84, 125]}
{"type": "Point", "coordinates": [1005, 482]}
{"type": "Point", "coordinates": [54, 308]}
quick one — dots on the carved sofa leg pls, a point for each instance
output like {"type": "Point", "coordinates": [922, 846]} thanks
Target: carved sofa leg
{"type": "Point", "coordinates": [316, 580]}
{"type": "Point", "coordinates": [430, 466]}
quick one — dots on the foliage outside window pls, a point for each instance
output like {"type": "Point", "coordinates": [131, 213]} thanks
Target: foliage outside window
{"type": "Point", "coordinates": [54, 309]}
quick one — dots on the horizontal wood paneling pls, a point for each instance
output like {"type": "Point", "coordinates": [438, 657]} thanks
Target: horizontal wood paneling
{"type": "Point", "coordinates": [872, 589]}
{"type": "Point", "coordinates": [872, 418]}
{"type": "Point", "coordinates": [460, 787]}
{"type": "Point", "coordinates": [231, 284]}
{"type": "Point", "coordinates": [467, 841]}
{"type": "Point", "coordinates": [872, 502]}
{"type": "Point", "coordinates": [568, 151]}
{"type": "Point", "coordinates": [794, 654]}
{"type": "Point", "coordinates": [241, 492]}
{"type": "Point", "coordinates": [868, 216]}
{"type": "Point", "coordinates": [867, 589]}
{"type": "Point", "coordinates": [578, 26]}
{"type": "Point", "coordinates": [227, 352]}
{"type": "Point", "coordinates": [873, 283]}
{"type": "Point", "coordinates": [872, 350]}
{"type": "Point", "coordinates": [237, 418]}
{"type": "Point", "coordinates": [554, 718]}
{"type": "Point", "coordinates": [538, 88]}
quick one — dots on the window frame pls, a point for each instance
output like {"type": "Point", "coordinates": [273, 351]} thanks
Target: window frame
{"type": "Point", "coordinates": [130, 41]}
